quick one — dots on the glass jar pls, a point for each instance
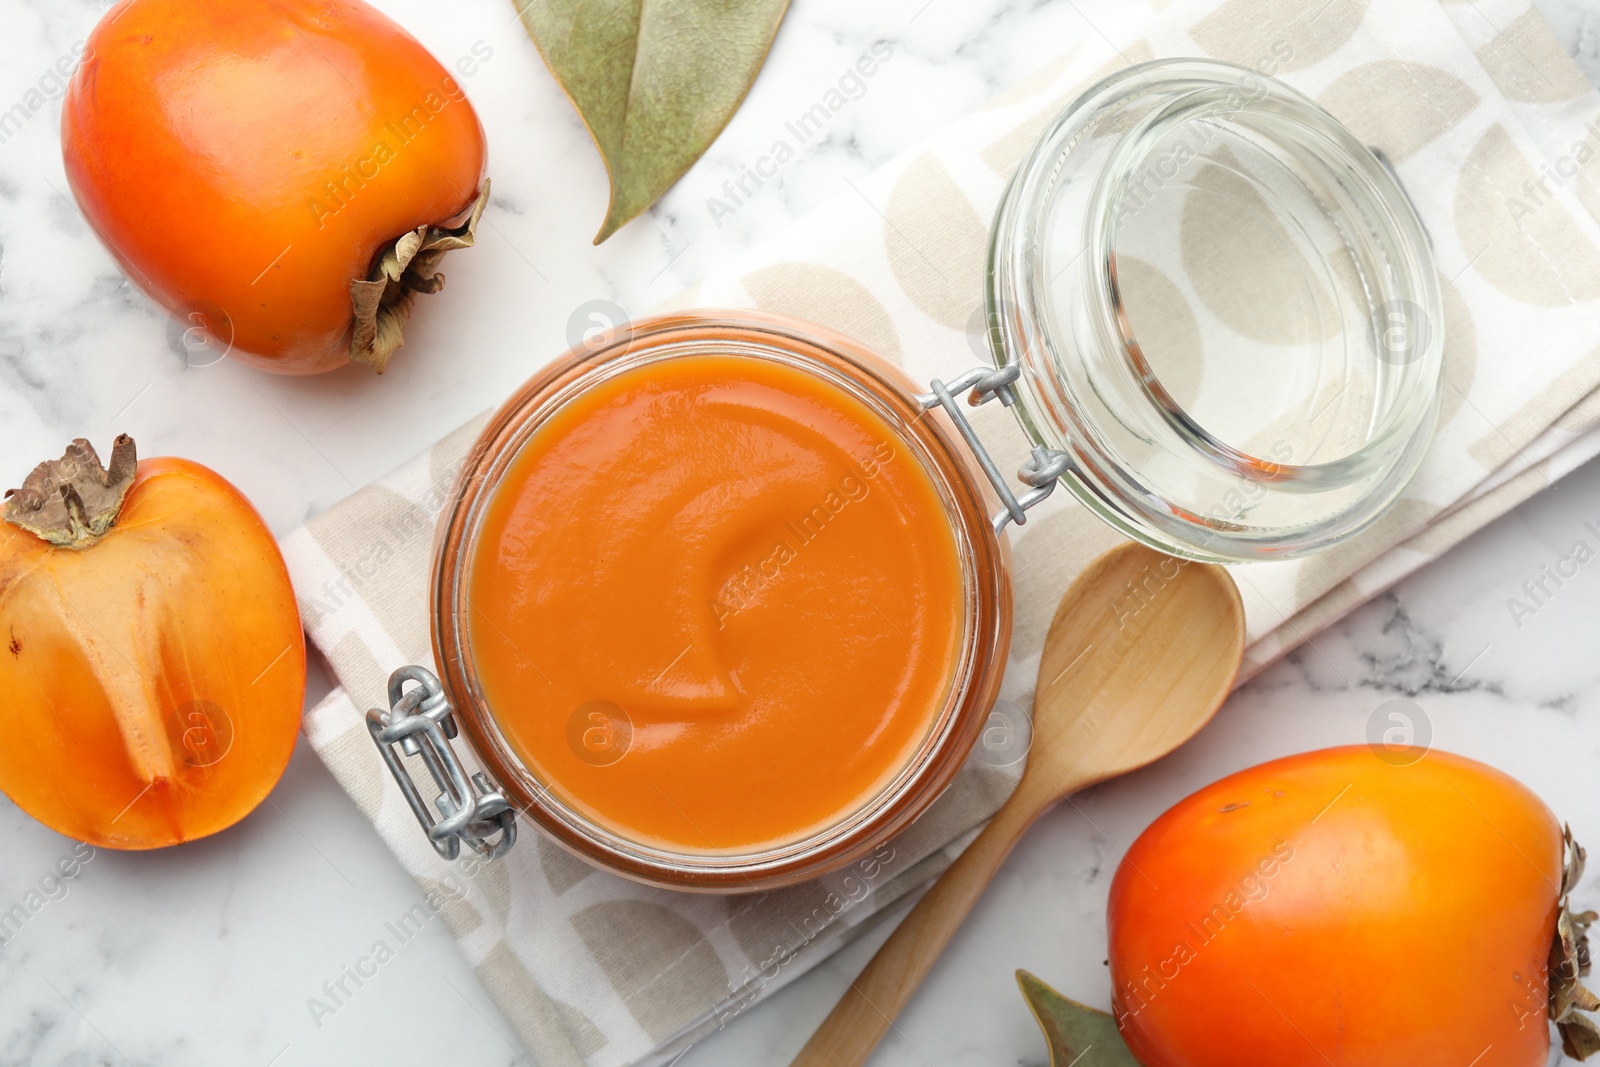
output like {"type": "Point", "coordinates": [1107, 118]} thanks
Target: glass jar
{"type": "Point", "coordinates": [1214, 312]}
{"type": "Point", "coordinates": [1225, 311]}
{"type": "Point", "coordinates": [920, 427]}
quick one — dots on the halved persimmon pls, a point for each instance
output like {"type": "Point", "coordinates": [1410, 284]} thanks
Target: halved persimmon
{"type": "Point", "coordinates": [151, 654]}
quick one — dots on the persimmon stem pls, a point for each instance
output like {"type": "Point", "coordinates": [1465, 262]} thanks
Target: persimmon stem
{"type": "Point", "coordinates": [1569, 961]}
{"type": "Point", "coordinates": [409, 265]}
{"type": "Point", "coordinates": [72, 501]}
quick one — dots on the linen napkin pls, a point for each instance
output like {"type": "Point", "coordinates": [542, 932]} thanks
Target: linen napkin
{"type": "Point", "coordinates": [1492, 130]}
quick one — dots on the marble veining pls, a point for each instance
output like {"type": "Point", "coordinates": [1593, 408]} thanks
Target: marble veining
{"type": "Point", "coordinates": [213, 953]}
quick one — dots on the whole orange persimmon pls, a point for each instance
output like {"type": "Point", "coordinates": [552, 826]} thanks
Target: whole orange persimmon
{"type": "Point", "coordinates": [1346, 908]}
{"type": "Point", "coordinates": [151, 654]}
{"type": "Point", "coordinates": [283, 177]}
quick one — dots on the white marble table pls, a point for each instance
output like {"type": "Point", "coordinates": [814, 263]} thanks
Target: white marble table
{"type": "Point", "coordinates": [208, 954]}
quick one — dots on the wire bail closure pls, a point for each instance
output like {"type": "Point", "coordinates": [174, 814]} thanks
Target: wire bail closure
{"type": "Point", "coordinates": [421, 722]}
{"type": "Point", "coordinates": [1042, 470]}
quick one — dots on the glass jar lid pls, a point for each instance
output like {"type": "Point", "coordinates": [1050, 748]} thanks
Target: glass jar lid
{"type": "Point", "coordinates": [1225, 312]}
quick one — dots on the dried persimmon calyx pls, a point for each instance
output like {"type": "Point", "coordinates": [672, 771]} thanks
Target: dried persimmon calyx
{"type": "Point", "coordinates": [73, 500]}
{"type": "Point", "coordinates": [1569, 962]}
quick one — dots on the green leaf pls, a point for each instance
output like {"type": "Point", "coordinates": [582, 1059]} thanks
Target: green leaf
{"type": "Point", "coordinates": [1078, 1036]}
{"type": "Point", "coordinates": [655, 83]}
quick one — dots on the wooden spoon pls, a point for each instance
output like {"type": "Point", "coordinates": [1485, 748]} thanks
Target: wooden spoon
{"type": "Point", "coordinates": [1142, 651]}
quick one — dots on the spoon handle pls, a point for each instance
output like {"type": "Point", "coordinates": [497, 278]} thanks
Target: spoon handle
{"type": "Point", "coordinates": [858, 1022]}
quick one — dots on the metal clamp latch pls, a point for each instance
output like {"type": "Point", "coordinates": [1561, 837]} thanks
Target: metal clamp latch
{"type": "Point", "coordinates": [1043, 469]}
{"type": "Point", "coordinates": [420, 722]}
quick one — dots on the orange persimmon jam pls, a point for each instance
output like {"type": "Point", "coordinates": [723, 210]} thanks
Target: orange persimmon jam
{"type": "Point", "coordinates": [715, 604]}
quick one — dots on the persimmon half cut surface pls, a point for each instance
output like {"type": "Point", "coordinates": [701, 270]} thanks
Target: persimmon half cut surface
{"type": "Point", "coordinates": [1341, 909]}
{"type": "Point", "coordinates": [282, 177]}
{"type": "Point", "coordinates": [151, 654]}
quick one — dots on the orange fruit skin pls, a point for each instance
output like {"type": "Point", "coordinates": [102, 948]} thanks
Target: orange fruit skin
{"type": "Point", "coordinates": [1336, 909]}
{"type": "Point", "coordinates": [154, 679]}
{"type": "Point", "coordinates": [253, 158]}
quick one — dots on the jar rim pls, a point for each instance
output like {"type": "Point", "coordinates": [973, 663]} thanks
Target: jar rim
{"type": "Point", "coordinates": [973, 683]}
{"type": "Point", "coordinates": [1054, 411]}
